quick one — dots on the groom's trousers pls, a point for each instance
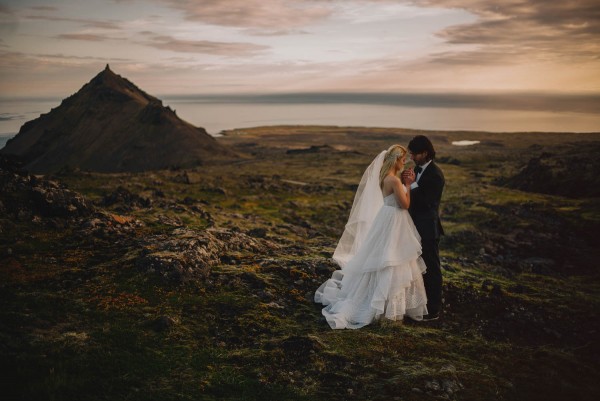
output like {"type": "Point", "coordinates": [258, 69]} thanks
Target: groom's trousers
{"type": "Point", "coordinates": [433, 277]}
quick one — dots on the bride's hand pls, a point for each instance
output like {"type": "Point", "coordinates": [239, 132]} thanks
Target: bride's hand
{"type": "Point", "coordinates": [408, 177]}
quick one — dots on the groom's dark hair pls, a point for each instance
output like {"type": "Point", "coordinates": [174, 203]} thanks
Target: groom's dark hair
{"type": "Point", "coordinates": [420, 144]}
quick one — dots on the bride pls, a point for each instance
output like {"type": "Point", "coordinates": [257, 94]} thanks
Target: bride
{"type": "Point", "coordinates": [379, 252]}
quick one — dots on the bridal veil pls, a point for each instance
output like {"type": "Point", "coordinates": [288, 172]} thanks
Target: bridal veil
{"type": "Point", "coordinates": [367, 202]}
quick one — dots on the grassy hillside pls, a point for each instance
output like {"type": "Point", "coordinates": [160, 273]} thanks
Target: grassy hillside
{"type": "Point", "coordinates": [198, 284]}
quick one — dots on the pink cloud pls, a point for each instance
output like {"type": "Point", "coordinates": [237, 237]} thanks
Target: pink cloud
{"type": "Point", "coordinates": [275, 15]}
{"type": "Point", "coordinates": [523, 29]}
{"type": "Point", "coordinates": [83, 36]}
{"type": "Point", "coordinates": [85, 22]}
{"type": "Point", "coordinates": [205, 46]}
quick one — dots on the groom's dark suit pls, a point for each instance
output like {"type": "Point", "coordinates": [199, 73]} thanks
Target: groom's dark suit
{"type": "Point", "coordinates": [424, 210]}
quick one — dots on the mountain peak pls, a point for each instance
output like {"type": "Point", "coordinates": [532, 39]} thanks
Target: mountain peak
{"type": "Point", "coordinates": [107, 72]}
{"type": "Point", "coordinates": [111, 125]}
{"type": "Point", "coordinates": [109, 84]}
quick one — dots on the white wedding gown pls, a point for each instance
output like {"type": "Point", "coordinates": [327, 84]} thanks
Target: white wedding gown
{"type": "Point", "coordinates": [382, 276]}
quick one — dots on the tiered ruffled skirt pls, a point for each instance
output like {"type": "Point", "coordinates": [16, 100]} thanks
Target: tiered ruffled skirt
{"type": "Point", "coordinates": [383, 279]}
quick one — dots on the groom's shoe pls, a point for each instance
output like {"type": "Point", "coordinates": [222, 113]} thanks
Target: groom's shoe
{"type": "Point", "coordinates": [431, 316]}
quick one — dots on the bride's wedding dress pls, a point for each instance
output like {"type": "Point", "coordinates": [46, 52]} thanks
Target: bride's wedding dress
{"type": "Point", "coordinates": [380, 260]}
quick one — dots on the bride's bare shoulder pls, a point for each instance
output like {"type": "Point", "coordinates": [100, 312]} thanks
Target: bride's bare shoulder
{"type": "Point", "coordinates": [391, 179]}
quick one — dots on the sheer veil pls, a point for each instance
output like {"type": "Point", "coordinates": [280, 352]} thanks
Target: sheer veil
{"type": "Point", "coordinates": [367, 202]}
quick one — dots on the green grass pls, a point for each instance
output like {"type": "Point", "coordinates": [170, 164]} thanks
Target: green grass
{"type": "Point", "coordinates": [78, 316]}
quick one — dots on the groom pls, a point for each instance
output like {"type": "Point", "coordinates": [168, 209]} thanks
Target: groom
{"type": "Point", "coordinates": [426, 192]}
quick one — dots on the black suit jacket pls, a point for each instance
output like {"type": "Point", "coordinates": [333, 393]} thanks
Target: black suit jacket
{"type": "Point", "coordinates": [425, 202]}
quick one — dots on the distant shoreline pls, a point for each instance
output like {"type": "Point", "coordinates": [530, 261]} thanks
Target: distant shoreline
{"type": "Point", "coordinates": [588, 103]}
{"type": "Point", "coordinates": [548, 102]}
{"type": "Point", "coordinates": [5, 137]}
{"type": "Point", "coordinates": [516, 112]}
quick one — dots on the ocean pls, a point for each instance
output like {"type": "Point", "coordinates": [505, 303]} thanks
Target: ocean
{"type": "Point", "coordinates": [492, 113]}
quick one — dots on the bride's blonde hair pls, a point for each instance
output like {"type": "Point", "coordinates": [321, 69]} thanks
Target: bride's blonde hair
{"type": "Point", "coordinates": [394, 153]}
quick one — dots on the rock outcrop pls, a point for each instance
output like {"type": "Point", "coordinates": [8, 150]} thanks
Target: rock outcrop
{"type": "Point", "coordinates": [186, 255]}
{"type": "Point", "coordinates": [25, 196]}
{"type": "Point", "coordinates": [571, 172]}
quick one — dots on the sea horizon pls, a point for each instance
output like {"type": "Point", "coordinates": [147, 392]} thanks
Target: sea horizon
{"type": "Point", "coordinates": [488, 112]}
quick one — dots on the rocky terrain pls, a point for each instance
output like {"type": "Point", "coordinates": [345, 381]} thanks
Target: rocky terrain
{"type": "Point", "coordinates": [568, 171]}
{"type": "Point", "coordinates": [111, 125]}
{"type": "Point", "coordinates": [197, 283]}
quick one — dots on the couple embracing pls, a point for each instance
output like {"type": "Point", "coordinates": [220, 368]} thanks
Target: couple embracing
{"type": "Point", "coordinates": [388, 253]}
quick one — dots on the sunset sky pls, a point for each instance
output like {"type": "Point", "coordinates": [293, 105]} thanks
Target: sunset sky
{"type": "Point", "coordinates": [51, 48]}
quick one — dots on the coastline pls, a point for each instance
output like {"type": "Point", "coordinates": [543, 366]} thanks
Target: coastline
{"type": "Point", "coordinates": [219, 113]}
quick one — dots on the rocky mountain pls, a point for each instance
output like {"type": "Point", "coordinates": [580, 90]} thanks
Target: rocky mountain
{"type": "Point", "coordinates": [110, 125]}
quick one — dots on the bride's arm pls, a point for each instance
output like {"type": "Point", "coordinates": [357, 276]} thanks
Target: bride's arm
{"type": "Point", "coordinates": [402, 195]}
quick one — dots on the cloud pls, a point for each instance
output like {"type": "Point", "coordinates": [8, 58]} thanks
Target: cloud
{"type": "Point", "coordinates": [275, 15]}
{"type": "Point", "coordinates": [529, 30]}
{"type": "Point", "coordinates": [8, 20]}
{"type": "Point", "coordinates": [279, 32]}
{"type": "Point", "coordinates": [231, 49]}
{"type": "Point", "coordinates": [12, 59]}
{"type": "Point", "coordinates": [90, 37]}
{"type": "Point", "coordinates": [11, 116]}
{"type": "Point", "coordinates": [44, 8]}
{"type": "Point", "coordinates": [489, 57]}
{"type": "Point", "coordinates": [18, 60]}
{"type": "Point", "coordinates": [51, 74]}
{"type": "Point", "coordinates": [85, 22]}
{"type": "Point", "coordinates": [62, 58]}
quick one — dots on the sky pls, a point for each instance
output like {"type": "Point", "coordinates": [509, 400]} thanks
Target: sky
{"type": "Point", "coordinates": [51, 48]}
